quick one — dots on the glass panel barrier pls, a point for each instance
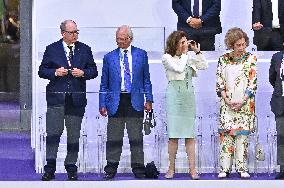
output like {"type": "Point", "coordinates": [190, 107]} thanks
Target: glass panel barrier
{"type": "Point", "coordinates": [92, 154]}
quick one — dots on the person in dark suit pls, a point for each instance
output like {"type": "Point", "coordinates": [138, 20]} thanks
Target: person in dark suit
{"type": "Point", "coordinates": [200, 19]}
{"type": "Point", "coordinates": [276, 79]}
{"type": "Point", "coordinates": [268, 24]}
{"type": "Point", "coordinates": [125, 81]}
{"type": "Point", "coordinates": [67, 63]}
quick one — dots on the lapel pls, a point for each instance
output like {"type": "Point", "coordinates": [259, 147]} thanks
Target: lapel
{"type": "Point", "coordinates": [268, 4]}
{"type": "Point", "coordinates": [76, 58]}
{"type": "Point", "coordinates": [61, 53]}
{"type": "Point", "coordinates": [187, 5]}
{"type": "Point", "coordinates": [280, 7]}
{"type": "Point", "coordinates": [134, 54]}
{"type": "Point", "coordinates": [116, 61]}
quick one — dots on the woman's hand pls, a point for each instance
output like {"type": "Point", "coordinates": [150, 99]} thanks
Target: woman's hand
{"type": "Point", "coordinates": [194, 46]}
{"type": "Point", "coordinates": [228, 102]}
{"type": "Point", "coordinates": [236, 106]}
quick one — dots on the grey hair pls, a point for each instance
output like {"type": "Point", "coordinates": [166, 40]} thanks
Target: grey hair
{"type": "Point", "coordinates": [129, 30]}
{"type": "Point", "coordinates": [63, 24]}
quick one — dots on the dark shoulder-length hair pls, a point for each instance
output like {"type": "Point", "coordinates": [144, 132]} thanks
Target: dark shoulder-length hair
{"type": "Point", "coordinates": [172, 42]}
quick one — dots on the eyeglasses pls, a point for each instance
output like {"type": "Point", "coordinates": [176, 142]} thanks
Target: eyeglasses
{"type": "Point", "coordinates": [76, 32]}
{"type": "Point", "coordinates": [122, 39]}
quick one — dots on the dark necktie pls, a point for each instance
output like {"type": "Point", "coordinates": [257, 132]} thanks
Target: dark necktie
{"type": "Point", "coordinates": [196, 8]}
{"type": "Point", "coordinates": [127, 76]}
{"type": "Point", "coordinates": [70, 55]}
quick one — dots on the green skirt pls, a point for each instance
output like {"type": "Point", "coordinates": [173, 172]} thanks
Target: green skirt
{"type": "Point", "coordinates": [180, 106]}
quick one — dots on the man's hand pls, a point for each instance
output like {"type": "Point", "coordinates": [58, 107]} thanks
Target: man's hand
{"type": "Point", "coordinates": [61, 71]}
{"type": "Point", "coordinates": [103, 112]}
{"type": "Point", "coordinates": [195, 23]}
{"type": "Point", "coordinates": [148, 106]}
{"type": "Point", "coordinates": [257, 26]}
{"type": "Point", "coordinates": [77, 72]}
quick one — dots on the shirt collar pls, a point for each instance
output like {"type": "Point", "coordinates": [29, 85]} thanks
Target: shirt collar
{"type": "Point", "coordinates": [128, 50]}
{"type": "Point", "coordinates": [66, 46]}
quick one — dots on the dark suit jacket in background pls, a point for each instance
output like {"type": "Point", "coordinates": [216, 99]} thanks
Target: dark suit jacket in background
{"type": "Point", "coordinates": [262, 12]}
{"type": "Point", "coordinates": [277, 101]}
{"type": "Point", "coordinates": [54, 57]}
{"type": "Point", "coordinates": [210, 16]}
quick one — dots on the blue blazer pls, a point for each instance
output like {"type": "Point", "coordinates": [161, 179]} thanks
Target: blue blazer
{"type": "Point", "coordinates": [54, 57]}
{"type": "Point", "coordinates": [110, 87]}
{"type": "Point", "coordinates": [262, 12]}
{"type": "Point", "coordinates": [210, 16]}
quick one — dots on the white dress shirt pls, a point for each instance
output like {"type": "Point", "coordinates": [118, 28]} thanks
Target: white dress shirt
{"type": "Point", "coordinates": [275, 20]}
{"type": "Point", "coordinates": [121, 57]}
{"type": "Point", "coordinates": [67, 51]}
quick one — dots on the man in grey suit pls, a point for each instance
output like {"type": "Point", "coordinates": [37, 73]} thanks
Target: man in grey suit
{"type": "Point", "coordinates": [276, 79]}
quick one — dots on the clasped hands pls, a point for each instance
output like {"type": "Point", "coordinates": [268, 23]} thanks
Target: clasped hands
{"type": "Point", "coordinates": [257, 26]}
{"type": "Point", "coordinates": [74, 71]}
{"type": "Point", "coordinates": [195, 23]}
{"type": "Point", "coordinates": [235, 106]}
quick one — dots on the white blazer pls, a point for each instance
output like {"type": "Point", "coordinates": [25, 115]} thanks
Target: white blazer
{"type": "Point", "coordinates": [176, 66]}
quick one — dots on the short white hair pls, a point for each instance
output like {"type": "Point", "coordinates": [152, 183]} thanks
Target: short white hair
{"type": "Point", "coordinates": [129, 30]}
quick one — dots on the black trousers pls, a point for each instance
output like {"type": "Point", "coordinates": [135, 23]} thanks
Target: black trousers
{"type": "Point", "coordinates": [206, 41]}
{"type": "Point", "coordinates": [125, 115]}
{"type": "Point", "coordinates": [204, 36]}
{"type": "Point", "coordinates": [268, 39]}
{"type": "Point", "coordinates": [56, 117]}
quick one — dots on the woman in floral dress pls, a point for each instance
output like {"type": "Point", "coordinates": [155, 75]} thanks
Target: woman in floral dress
{"type": "Point", "coordinates": [236, 85]}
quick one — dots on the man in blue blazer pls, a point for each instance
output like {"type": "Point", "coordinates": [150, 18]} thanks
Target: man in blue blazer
{"type": "Point", "coordinates": [276, 79]}
{"type": "Point", "coordinates": [67, 63]}
{"type": "Point", "coordinates": [268, 24]}
{"type": "Point", "coordinates": [200, 19]}
{"type": "Point", "coordinates": [124, 83]}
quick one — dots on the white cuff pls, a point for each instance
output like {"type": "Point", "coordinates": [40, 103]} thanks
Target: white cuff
{"type": "Point", "coordinates": [188, 19]}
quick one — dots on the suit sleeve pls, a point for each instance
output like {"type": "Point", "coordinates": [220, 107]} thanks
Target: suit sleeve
{"type": "Point", "coordinates": [90, 70]}
{"type": "Point", "coordinates": [180, 10]}
{"type": "Point", "coordinates": [256, 11]}
{"type": "Point", "coordinates": [46, 70]}
{"type": "Point", "coordinates": [213, 11]}
{"type": "Point", "coordinates": [147, 81]}
{"type": "Point", "coordinates": [104, 84]}
{"type": "Point", "coordinates": [272, 72]}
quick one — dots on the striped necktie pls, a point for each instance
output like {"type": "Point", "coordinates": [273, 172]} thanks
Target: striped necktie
{"type": "Point", "coordinates": [127, 76]}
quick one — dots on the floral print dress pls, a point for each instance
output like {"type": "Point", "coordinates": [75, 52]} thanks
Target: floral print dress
{"type": "Point", "coordinates": [236, 79]}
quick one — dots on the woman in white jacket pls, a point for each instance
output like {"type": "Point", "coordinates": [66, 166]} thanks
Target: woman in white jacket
{"type": "Point", "coordinates": [180, 67]}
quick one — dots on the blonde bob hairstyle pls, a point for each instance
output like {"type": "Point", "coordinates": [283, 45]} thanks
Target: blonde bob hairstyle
{"type": "Point", "coordinates": [233, 35]}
